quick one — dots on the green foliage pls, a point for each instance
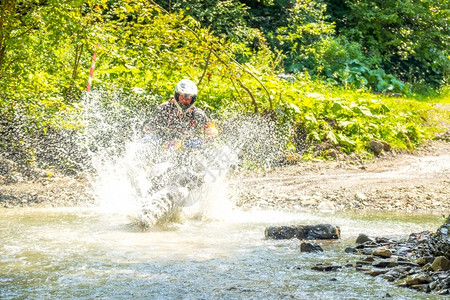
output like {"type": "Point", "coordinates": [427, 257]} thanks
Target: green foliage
{"type": "Point", "coordinates": [233, 50]}
{"type": "Point", "coordinates": [410, 37]}
{"type": "Point", "coordinates": [348, 121]}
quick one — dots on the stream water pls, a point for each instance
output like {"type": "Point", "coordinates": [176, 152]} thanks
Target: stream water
{"type": "Point", "coordinates": [85, 253]}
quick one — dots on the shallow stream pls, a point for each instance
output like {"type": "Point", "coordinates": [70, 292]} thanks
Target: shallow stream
{"type": "Point", "coordinates": [84, 253]}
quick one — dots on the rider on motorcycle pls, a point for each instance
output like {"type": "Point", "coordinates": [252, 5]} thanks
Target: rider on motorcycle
{"type": "Point", "coordinates": [179, 118]}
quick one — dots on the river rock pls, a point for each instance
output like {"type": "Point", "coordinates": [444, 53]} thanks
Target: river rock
{"type": "Point", "coordinates": [422, 261]}
{"type": "Point", "coordinates": [382, 251]}
{"type": "Point", "coordinates": [415, 279]}
{"type": "Point", "coordinates": [385, 264]}
{"type": "Point", "coordinates": [362, 238]}
{"type": "Point", "coordinates": [326, 267]}
{"type": "Point", "coordinates": [441, 263]}
{"type": "Point", "coordinates": [310, 247]}
{"type": "Point", "coordinates": [304, 232]}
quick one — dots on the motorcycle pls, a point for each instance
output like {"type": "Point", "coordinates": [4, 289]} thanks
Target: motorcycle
{"type": "Point", "coordinates": [175, 173]}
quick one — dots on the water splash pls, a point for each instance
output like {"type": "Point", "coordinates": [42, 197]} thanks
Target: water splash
{"type": "Point", "coordinates": [134, 177]}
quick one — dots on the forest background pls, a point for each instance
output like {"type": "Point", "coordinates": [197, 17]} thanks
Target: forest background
{"type": "Point", "coordinates": [331, 76]}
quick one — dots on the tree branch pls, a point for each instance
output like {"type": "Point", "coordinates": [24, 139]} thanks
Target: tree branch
{"type": "Point", "coordinates": [221, 60]}
{"type": "Point", "coordinates": [206, 67]}
{"type": "Point", "coordinates": [255, 105]}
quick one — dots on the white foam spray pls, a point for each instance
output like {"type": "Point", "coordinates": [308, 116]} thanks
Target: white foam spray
{"type": "Point", "coordinates": [126, 167]}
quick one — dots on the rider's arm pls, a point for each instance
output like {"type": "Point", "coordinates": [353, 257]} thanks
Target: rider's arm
{"type": "Point", "coordinates": [211, 130]}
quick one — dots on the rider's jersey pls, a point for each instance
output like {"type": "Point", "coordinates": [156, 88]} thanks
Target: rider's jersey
{"type": "Point", "coordinates": [171, 123]}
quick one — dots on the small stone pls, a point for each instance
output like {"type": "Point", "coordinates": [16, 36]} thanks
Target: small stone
{"type": "Point", "coordinates": [349, 250]}
{"type": "Point", "coordinates": [369, 259]}
{"type": "Point", "coordinates": [418, 279]}
{"type": "Point", "coordinates": [421, 287]}
{"type": "Point", "coordinates": [441, 263]}
{"type": "Point", "coordinates": [310, 247]}
{"type": "Point", "coordinates": [427, 268]}
{"type": "Point", "coordinates": [444, 292]}
{"type": "Point", "coordinates": [382, 252]}
{"type": "Point", "coordinates": [389, 278]}
{"type": "Point", "coordinates": [326, 267]}
{"type": "Point", "coordinates": [375, 273]}
{"type": "Point", "coordinates": [385, 264]}
{"type": "Point", "coordinates": [362, 238]}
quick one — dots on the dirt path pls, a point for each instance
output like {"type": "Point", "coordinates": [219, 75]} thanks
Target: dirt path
{"type": "Point", "coordinates": [419, 181]}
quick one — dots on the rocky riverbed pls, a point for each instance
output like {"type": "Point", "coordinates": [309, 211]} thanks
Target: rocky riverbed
{"type": "Point", "coordinates": [420, 261]}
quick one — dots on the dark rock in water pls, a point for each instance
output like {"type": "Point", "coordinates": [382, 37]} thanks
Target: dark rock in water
{"type": "Point", "coordinates": [349, 250]}
{"type": "Point", "coordinates": [439, 243]}
{"type": "Point", "coordinates": [385, 264]}
{"type": "Point", "coordinates": [326, 267]}
{"type": "Point", "coordinates": [362, 238]}
{"type": "Point", "coordinates": [421, 261]}
{"type": "Point", "coordinates": [310, 247]}
{"type": "Point", "coordinates": [375, 273]}
{"type": "Point", "coordinates": [441, 263]}
{"type": "Point", "coordinates": [444, 292]}
{"type": "Point", "coordinates": [281, 232]}
{"type": "Point", "coordinates": [369, 259]}
{"type": "Point", "coordinates": [304, 232]}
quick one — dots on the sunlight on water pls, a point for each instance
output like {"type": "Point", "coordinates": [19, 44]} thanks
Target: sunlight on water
{"type": "Point", "coordinates": [83, 254]}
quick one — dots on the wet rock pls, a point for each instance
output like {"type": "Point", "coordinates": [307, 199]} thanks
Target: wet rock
{"type": "Point", "coordinates": [326, 267]}
{"type": "Point", "coordinates": [444, 292]}
{"type": "Point", "coordinates": [375, 273]}
{"type": "Point", "coordinates": [421, 261]}
{"type": "Point", "coordinates": [362, 238]}
{"type": "Point", "coordinates": [310, 247]}
{"type": "Point", "coordinates": [439, 243]}
{"type": "Point", "coordinates": [421, 287]}
{"type": "Point", "coordinates": [441, 263]}
{"type": "Point", "coordinates": [418, 262]}
{"type": "Point", "coordinates": [363, 263]}
{"type": "Point", "coordinates": [389, 278]}
{"type": "Point", "coordinates": [304, 232]}
{"type": "Point", "coordinates": [369, 259]}
{"type": "Point", "coordinates": [350, 250]}
{"type": "Point", "coordinates": [368, 244]}
{"type": "Point", "coordinates": [385, 264]}
{"type": "Point", "coordinates": [391, 275]}
{"type": "Point", "coordinates": [417, 279]}
{"type": "Point", "coordinates": [407, 263]}
{"type": "Point", "coordinates": [382, 251]}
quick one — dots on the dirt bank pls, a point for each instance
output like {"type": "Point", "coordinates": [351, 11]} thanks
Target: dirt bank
{"type": "Point", "coordinates": [406, 181]}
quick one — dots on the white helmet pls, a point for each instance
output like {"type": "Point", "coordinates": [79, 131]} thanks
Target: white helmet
{"type": "Point", "coordinates": [186, 87]}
